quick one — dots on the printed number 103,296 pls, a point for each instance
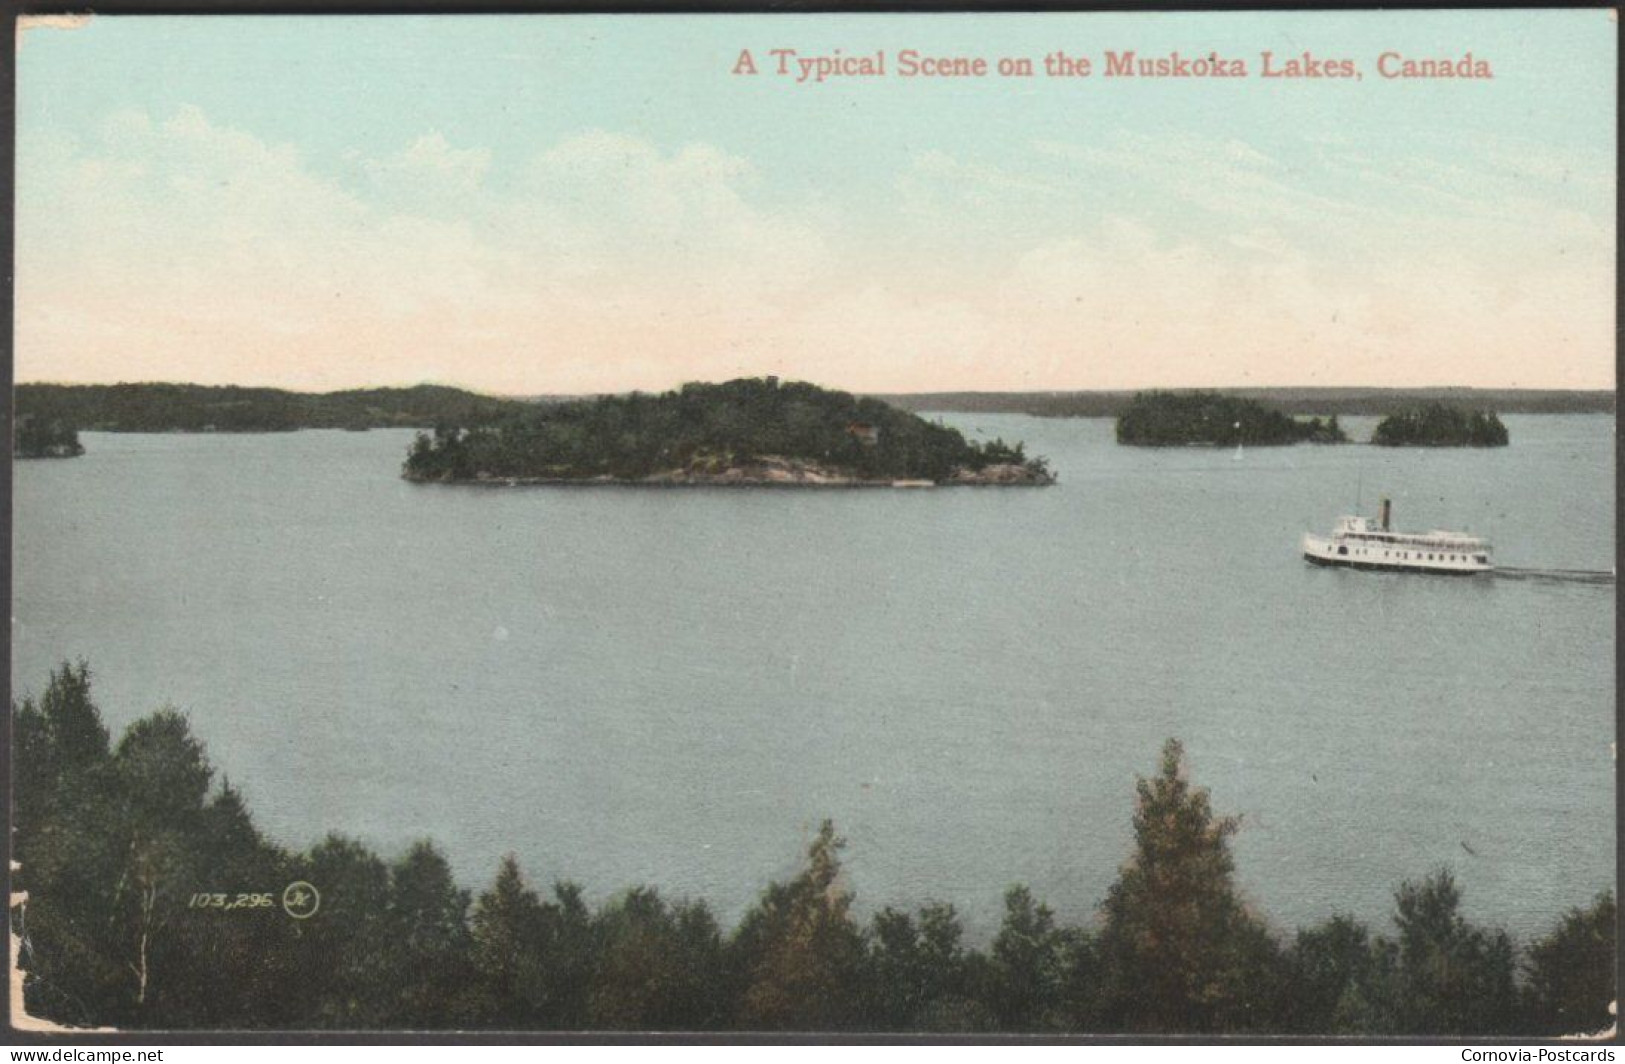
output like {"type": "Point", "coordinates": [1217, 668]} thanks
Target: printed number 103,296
{"type": "Point", "coordinates": [230, 901]}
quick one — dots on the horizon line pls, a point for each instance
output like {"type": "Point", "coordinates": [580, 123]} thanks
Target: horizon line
{"type": "Point", "coordinates": [1322, 388]}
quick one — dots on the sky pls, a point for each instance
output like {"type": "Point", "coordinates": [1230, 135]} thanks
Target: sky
{"type": "Point", "coordinates": [562, 204]}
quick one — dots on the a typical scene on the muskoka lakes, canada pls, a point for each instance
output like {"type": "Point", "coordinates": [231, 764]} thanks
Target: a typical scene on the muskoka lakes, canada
{"type": "Point", "coordinates": [1048, 523]}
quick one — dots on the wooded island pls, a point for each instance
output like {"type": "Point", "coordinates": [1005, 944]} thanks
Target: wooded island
{"type": "Point", "coordinates": [39, 437]}
{"type": "Point", "coordinates": [751, 431]}
{"type": "Point", "coordinates": [1440, 425]}
{"type": "Point", "coordinates": [1188, 419]}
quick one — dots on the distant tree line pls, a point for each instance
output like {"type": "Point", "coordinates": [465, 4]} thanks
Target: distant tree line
{"type": "Point", "coordinates": [42, 436]}
{"type": "Point", "coordinates": [200, 408]}
{"type": "Point", "coordinates": [117, 843]}
{"type": "Point", "coordinates": [1322, 402]}
{"type": "Point", "coordinates": [704, 428]}
{"type": "Point", "coordinates": [1440, 425]}
{"type": "Point", "coordinates": [1175, 419]}
{"type": "Point", "coordinates": [63, 408]}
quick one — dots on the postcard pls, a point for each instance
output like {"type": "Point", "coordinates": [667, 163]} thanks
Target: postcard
{"type": "Point", "coordinates": [952, 523]}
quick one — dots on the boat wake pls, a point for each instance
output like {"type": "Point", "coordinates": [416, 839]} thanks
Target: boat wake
{"type": "Point", "coordinates": [1563, 576]}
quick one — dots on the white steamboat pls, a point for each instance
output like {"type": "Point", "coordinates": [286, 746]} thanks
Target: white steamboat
{"type": "Point", "coordinates": [1357, 543]}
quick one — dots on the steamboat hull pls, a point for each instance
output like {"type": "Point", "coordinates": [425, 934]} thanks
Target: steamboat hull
{"type": "Point", "coordinates": [1373, 554]}
{"type": "Point", "coordinates": [1387, 567]}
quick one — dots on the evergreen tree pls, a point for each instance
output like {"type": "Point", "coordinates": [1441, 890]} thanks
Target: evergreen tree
{"type": "Point", "coordinates": [66, 855]}
{"type": "Point", "coordinates": [799, 951]}
{"type": "Point", "coordinates": [113, 844]}
{"type": "Point", "coordinates": [507, 951]}
{"type": "Point", "coordinates": [1331, 970]}
{"type": "Point", "coordinates": [1029, 965]}
{"type": "Point", "coordinates": [339, 964]}
{"type": "Point", "coordinates": [231, 965]}
{"type": "Point", "coordinates": [1453, 978]}
{"type": "Point", "coordinates": [1571, 973]}
{"type": "Point", "coordinates": [60, 759]}
{"type": "Point", "coordinates": [656, 966]}
{"type": "Point", "coordinates": [1179, 951]}
{"type": "Point", "coordinates": [569, 955]}
{"type": "Point", "coordinates": [427, 925]}
{"type": "Point", "coordinates": [920, 975]}
{"type": "Point", "coordinates": [1371, 1005]}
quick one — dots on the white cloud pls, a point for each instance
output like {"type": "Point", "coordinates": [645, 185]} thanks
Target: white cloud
{"type": "Point", "coordinates": [883, 339]}
{"type": "Point", "coordinates": [606, 203]}
{"type": "Point", "coordinates": [429, 171]}
{"type": "Point", "coordinates": [177, 247]}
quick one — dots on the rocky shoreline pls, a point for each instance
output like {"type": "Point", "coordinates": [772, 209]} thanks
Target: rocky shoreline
{"type": "Point", "coordinates": [769, 472]}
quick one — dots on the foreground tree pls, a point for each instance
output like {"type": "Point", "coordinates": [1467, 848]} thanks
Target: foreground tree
{"type": "Point", "coordinates": [1033, 964]}
{"type": "Point", "coordinates": [921, 977]}
{"type": "Point", "coordinates": [508, 936]}
{"type": "Point", "coordinates": [336, 956]}
{"type": "Point", "coordinates": [1453, 978]}
{"type": "Point", "coordinates": [799, 953]}
{"type": "Point", "coordinates": [429, 945]}
{"type": "Point", "coordinates": [1571, 973]}
{"type": "Point", "coordinates": [1331, 969]}
{"type": "Point", "coordinates": [67, 855]}
{"type": "Point", "coordinates": [1178, 950]}
{"type": "Point", "coordinates": [116, 843]}
{"type": "Point", "coordinates": [163, 783]}
{"type": "Point", "coordinates": [656, 965]}
{"type": "Point", "coordinates": [113, 845]}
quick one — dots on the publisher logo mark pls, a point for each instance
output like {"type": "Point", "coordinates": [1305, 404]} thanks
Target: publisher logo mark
{"type": "Point", "coordinates": [300, 900]}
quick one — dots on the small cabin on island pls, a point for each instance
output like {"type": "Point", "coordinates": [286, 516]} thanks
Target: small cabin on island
{"type": "Point", "coordinates": [864, 433]}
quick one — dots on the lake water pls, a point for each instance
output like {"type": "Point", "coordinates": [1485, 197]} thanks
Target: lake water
{"type": "Point", "coordinates": [674, 686]}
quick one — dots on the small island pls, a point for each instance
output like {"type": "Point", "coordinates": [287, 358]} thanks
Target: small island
{"type": "Point", "coordinates": [747, 432]}
{"type": "Point", "coordinates": [1440, 425]}
{"type": "Point", "coordinates": [39, 437]}
{"type": "Point", "coordinates": [1195, 419]}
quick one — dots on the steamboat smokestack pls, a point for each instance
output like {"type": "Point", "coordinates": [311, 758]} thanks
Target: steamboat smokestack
{"type": "Point", "coordinates": [1386, 506]}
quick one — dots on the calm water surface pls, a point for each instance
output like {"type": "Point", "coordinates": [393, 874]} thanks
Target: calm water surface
{"type": "Point", "coordinates": [667, 686]}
